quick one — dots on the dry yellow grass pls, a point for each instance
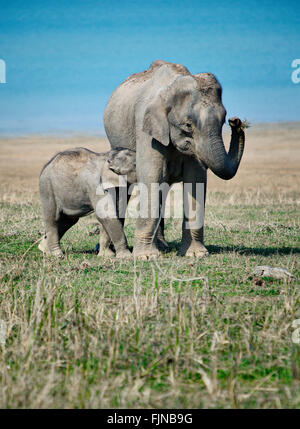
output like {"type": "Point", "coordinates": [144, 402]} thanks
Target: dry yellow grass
{"type": "Point", "coordinates": [22, 158]}
{"type": "Point", "coordinates": [270, 163]}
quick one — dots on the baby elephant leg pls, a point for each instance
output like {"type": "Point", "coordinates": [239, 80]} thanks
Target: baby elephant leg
{"type": "Point", "coordinates": [55, 229]}
{"type": "Point", "coordinates": [104, 244]}
{"type": "Point", "coordinates": [107, 215]}
{"type": "Point", "coordinates": [106, 247]}
{"type": "Point", "coordinates": [115, 230]}
{"type": "Point", "coordinates": [56, 222]}
{"type": "Point", "coordinates": [50, 242]}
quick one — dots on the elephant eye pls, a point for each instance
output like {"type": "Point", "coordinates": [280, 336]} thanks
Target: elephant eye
{"type": "Point", "coordinates": [187, 128]}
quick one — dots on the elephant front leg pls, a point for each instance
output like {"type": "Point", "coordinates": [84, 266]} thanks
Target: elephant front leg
{"type": "Point", "coordinates": [114, 229]}
{"type": "Point", "coordinates": [106, 213]}
{"type": "Point", "coordinates": [194, 190]}
{"type": "Point", "coordinates": [151, 168]}
{"type": "Point", "coordinates": [104, 244]}
{"type": "Point", "coordinates": [147, 244]}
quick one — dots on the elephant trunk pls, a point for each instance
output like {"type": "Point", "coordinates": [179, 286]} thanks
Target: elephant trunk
{"type": "Point", "coordinates": [222, 164]}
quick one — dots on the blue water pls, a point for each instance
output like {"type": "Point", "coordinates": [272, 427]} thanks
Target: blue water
{"type": "Point", "coordinates": [65, 58]}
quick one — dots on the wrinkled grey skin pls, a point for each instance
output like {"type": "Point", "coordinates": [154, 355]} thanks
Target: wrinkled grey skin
{"type": "Point", "coordinates": [69, 184]}
{"type": "Point", "coordinates": [174, 122]}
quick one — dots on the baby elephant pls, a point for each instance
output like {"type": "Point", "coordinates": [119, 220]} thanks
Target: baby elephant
{"type": "Point", "coordinates": [77, 182]}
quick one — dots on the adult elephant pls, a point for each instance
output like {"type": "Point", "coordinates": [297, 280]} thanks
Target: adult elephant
{"type": "Point", "coordinates": [174, 122]}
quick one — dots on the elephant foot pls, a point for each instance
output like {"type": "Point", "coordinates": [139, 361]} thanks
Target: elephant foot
{"type": "Point", "coordinates": [57, 253]}
{"type": "Point", "coordinates": [106, 253]}
{"type": "Point", "coordinates": [124, 254]}
{"type": "Point", "coordinates": [43, 247]}
{"type": "Point", "coordinates": [194, 250]}
{"type": "Point", "coordinates": [146, 253]}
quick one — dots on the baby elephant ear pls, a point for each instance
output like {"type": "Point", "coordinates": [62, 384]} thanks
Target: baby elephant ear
{"type": "Point", "coordinates": [155, 121]}
{"type": "Point", "coordinates": [110, 179]}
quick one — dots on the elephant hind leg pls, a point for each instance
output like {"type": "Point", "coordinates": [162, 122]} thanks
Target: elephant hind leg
{"type": "Point", "coordinates": [55, 230]}
{"type": "Point", "coordinates": [50, 242]}
{"type": "Point", "coordinates": [192, 243]}
{"type": "Point", "coordinates": [160, 237]}
{"type": "Point", "coordinates": [105, 244]}
{"type": "Point", "coordinates": [160, 241]}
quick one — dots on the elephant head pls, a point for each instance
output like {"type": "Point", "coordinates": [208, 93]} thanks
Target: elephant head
{"type": "Point", "coordinates": [189, 114]}
{"type": "Point", "coordinates": [123, 162]}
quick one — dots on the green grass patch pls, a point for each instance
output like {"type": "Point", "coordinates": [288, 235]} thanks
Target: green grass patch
{"type": "Point", "coordinates": [88, 332]}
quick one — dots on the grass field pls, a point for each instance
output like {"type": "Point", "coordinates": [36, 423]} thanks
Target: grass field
{"type": "Point", "coordinates": [177, 333]}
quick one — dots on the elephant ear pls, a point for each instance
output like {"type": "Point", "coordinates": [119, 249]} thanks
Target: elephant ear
{"type": "Point", "coordinates": [110, 179]}
{"type": "Point", "coordinates": [155, 121]}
